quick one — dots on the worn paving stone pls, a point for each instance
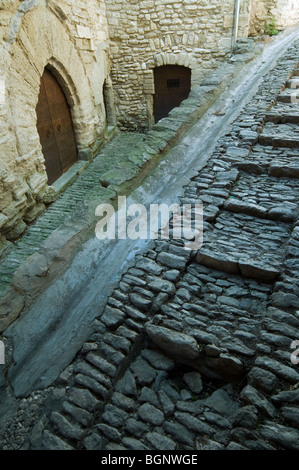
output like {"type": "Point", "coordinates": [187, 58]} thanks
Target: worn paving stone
{"type": "Point", "coordinates": [286, 437]}
{"type": "Point", "coordinates": [114, 416]}
{"type": "Point", "coordinates": [158, 360]}
{"type": "Point", "coordinates": [160, 442]}
{"type": "Point", "coordinates": [135, 427]}
{"type": "Point", "coordinates": [211, 312]}
{"type": "Point", "coordinates": [250, 395]}
{"type": "Point", "coordinates": [93, 442]}
{"type": "Point", "coordinates": [81, 416]}
{"type": "Point", "coordinates": [127, 385]}
{"type": "Point", "coordinates": [193, 381]}
{"type": "Point", "coordinates": [178, 344]}
{"type": "Point", "coordinates": [84, 399]}
{"type": "Point", "coordinates": [143, 372]}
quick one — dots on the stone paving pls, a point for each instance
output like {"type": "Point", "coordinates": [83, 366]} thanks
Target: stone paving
{"type": "Point", "coordinates": [193, 350]}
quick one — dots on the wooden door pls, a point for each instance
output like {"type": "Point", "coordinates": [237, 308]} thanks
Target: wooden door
{"type": "Point", "coordinates": [172, 86]}
{"type": "Point", "coordinates": [55, 128]}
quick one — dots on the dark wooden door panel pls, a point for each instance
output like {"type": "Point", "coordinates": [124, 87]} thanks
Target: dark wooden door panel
{"type": "Point", "coordinates": [47, 137]}
{"type": "Point", "coordinates": [172, 86]}
{"type": "Point", "coordinates": [55, 128]}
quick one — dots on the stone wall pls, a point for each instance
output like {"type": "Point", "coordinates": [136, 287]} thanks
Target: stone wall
{"type": "Point", "coordinates": [283, 12]}
{"type": "Point", "coordinates": [149, 33]}
{"type": "Point", "coordinates": [71, 38]}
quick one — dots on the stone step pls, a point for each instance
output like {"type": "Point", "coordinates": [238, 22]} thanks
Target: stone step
{"type": "Point", "coordinates": [283, 113]}
{"type": "Point", "coordinates": [280, 135]}
{"type": "Point", "coordinates": [289, 95]}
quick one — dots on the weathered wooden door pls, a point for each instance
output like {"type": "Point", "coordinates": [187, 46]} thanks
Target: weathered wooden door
{"type": "Point", "coordinates": [55, 128]}
{"type": "Point", "coordinates": [172, 86]}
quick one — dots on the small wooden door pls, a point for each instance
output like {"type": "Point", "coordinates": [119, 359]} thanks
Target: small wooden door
{"type": "Point", "coordinates": [55, 128]}
{"type": "Point", "coordinates": [172, 86]}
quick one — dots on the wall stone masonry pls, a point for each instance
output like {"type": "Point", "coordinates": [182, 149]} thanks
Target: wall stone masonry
{"type": "Point", "coordinates": [208, 365]}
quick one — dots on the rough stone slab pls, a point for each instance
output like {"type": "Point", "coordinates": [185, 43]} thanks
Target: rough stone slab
{"type": "Point", "coordinates": [291, 415]}
{"type": "Point", "coordinates": [193, 381]}
{"type": "Point", "coordinates": [194, 424]}
{"type": "Point", "coordinates": [258, 270]}
{"type": "Point", "coordinates": [160, 442]}
{"type": "Point", "coordinates": [158, 360]}
{"type": "Point", "coordinates": [217, 260]}
{"type": "Point", "coordinates": [251, 396]}
{"type": "Point", "coordinates": [290, 170]}
{"type": "Point", "coordinates": [84, 399]}
{"type": "Point", "coordinates": [179, 433]}
{"type": "Point", "coordinates": [86, 369]}
{"type": "Point", "coordinates": [112, 317]}
{"type": "Point", "coordinates": [109, 432]}
{"type": "Point", "coordinates": [151, 414]}
{"type": "Point", "coordinates": [127, 385]}
{"type": "Point", "coordinates": [283, 371]}
{"type": "Point", "coordinates": [143, 372]}
{"type": "Point", "coordinates": [101, 364]}
{"type": "Point", "coordinates": [92, 384]}
{"type": "Point", "coordinates": [140, 302]}
{"type": "Point", "coordinates": [81, 416]}
{"type": "Point", "coordinates": [221, 402]}
{"type": "Point", "coordinates": [114, 416]}
{"type": "Point", "coordinates": [287, 397]}
{"type": "Point", "coordinates": [135, 428]}
{"type": "Point", "coordinates": [52, 442]}
{"type": "Point", "coordinates": [171, 261]}
{"type": "Point", "coordinates": [263, 379]}
{"type": "Point", "coordinates": [134, 444]}
{"type": "Point", "coordinates": [65, 427]}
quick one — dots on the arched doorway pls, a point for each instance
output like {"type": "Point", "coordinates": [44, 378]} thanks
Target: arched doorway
{"type": "Point", "coordinates": [55, 128]}
{"type": "Point", "coordinates": [172, 86]}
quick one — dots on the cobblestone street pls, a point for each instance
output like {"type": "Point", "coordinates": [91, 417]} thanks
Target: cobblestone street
{"type": "Point", "coordinates": [193, 348]}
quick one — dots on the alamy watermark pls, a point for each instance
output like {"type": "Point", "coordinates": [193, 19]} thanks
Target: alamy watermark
{"type": "Point", "coordinates": [295, 94]}
{"type": "Point", "coordinates": [2, 353]}
{"type": "Point", "coordinates": [159, 221]}
{"type": "Point", "coordinates": [295, 354]}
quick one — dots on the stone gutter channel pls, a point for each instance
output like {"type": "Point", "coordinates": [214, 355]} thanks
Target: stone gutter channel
{"type": "Point", "coordinates": [190, 350]}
